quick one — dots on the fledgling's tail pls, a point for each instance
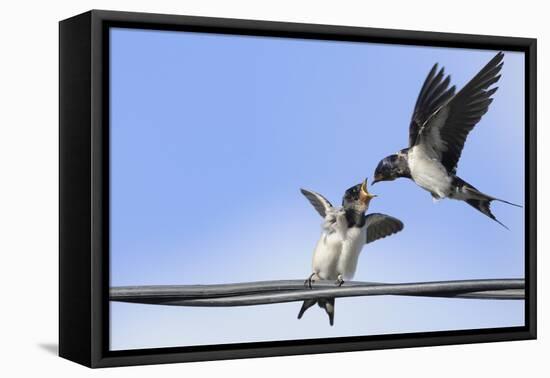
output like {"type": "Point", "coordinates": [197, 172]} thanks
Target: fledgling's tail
{"type": "Point", "coordinates": [326, 303]}
{"type": "Point", "coordinates": [478, 200]}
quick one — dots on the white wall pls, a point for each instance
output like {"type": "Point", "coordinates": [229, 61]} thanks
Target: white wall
{"type": "Point", "coordinates": [28, 190]}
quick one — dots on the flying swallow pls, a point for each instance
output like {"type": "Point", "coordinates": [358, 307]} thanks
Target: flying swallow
{"type": "Point", "coordinates": [440, 124]}
{"type": "Point", "coordinates": [345, 231]}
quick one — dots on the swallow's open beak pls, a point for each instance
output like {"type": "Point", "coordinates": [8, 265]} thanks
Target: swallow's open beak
{"type": "Point", "coordinates": [377, 178]}
{"type": "Point", "coordinates": [364, 194]}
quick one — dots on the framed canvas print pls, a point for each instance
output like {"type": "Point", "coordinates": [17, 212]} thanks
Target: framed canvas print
{"type": "Point", "coordinates": [234, 188]}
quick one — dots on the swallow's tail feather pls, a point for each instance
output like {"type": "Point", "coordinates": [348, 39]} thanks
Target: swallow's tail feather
{"type": "Point", "coordinates": [307, 304]}
{"type": "Point", "coordinates": [484, 206]}
{"type": "Point", "coordinates": [478, 200]}
{"type": "Point", "coordinates": [328, 305]}
{"type": "Point", "coordinates": [325, 303]}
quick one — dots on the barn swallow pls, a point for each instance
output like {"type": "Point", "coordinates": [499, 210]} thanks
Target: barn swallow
{"type": "Point", "coordinates": [439, 127]}
{"type": "Point", "coordinates": [345, 230]}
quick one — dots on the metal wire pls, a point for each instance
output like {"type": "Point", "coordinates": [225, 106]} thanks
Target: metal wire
{"type": "Point", "coordinates": [270, 292]}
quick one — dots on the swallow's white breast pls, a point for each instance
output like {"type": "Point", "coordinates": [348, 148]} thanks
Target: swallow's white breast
{"type": "Point", "coordinates": [428, 172]}
{"type": "Point", "coordinates": [337, 252]}
{"type": "Point", "coordinates": [351, 248]}
{"type": "Point", "coordinates": [326, 255]}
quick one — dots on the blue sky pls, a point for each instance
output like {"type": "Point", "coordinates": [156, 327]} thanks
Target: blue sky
{"type": "Point", "coordinates": [213, 135]}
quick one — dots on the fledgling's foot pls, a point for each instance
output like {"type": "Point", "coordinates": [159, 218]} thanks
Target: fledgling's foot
{"type": "Point", "coordinates": [339, 281]}
{"type": "Point", "coordinates": [309, 280]}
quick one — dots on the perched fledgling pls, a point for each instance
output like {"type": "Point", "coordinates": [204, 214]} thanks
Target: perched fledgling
{"type": "Point", "coordinates": [439, 127]}
{"type": "Point", "coordinates": [345, 231]}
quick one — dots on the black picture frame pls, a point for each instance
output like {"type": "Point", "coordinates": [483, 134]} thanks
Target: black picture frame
{"type": "Point", "coordinates": [84, 183]}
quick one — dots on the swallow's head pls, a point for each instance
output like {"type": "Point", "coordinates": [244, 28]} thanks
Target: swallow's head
{"type": "Point", "coordinates": [387, 169]}
{"type": "Point", "coordinates": [358, 197]}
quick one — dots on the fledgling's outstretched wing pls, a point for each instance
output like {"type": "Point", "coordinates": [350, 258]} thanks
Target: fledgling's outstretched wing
{"type": "Point", "coordinates": [381, 225]}
{"type": "Point", "coordinates": [320, 203]}
{"type": "Point", "coordinates": [434, 93]}
{"type": "Point", "coordinates": [444, 133]}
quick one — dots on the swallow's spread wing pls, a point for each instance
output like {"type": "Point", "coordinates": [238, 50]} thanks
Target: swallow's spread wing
{"type": "Point", "coordinates": [320, 203]}
{"type": "Point", "coordinates": [380, 225]}
{"type": "Point", "coordinates": [434, 93]}
{"type": "Point", "coordinates": [444, 132]}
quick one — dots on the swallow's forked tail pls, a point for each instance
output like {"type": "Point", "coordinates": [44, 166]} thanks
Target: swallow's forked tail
{"type": "Point", "coordinates": [481, 201]}
{"type": "Point", "coordinates": [325, 303]}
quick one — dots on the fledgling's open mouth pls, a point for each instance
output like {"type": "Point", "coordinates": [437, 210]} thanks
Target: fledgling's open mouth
{"type": "Point", "coordinates": [364, 195]}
